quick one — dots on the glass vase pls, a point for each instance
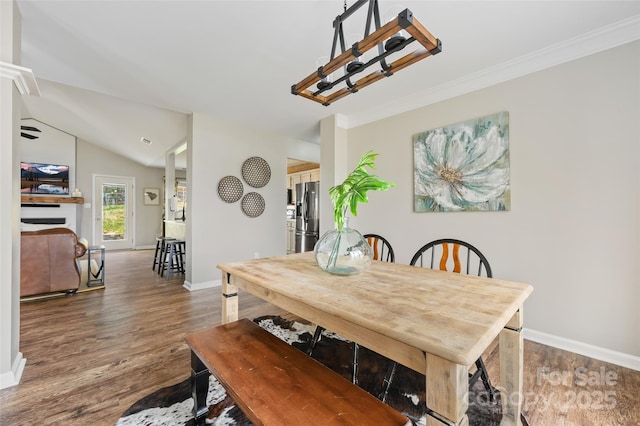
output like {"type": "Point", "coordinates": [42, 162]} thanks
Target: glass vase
{"type": "Point", "coordinates": [343, 252]}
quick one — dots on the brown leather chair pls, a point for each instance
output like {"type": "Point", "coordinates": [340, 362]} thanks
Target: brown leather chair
{"type": "Point", "coordinates": [48, 261]}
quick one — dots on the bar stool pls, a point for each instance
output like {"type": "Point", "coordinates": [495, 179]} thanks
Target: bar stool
{"type": "Point", "coordinates": [160, 251]}
{"type": "Point", "coordinates": [174, 261]}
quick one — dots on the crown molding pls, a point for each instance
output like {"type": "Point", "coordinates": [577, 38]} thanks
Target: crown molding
{"type": "Point", "coordinates": [619, 33]}
{"type": "Point", "coordinates": [23, 78]}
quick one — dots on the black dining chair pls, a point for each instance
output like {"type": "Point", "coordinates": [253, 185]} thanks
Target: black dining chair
{"type": "Point", "coordinates": [382, 251]}
{"type": "Point", "coordinates": [451, 255]}
{"type": "Point", "coordinates": [474, 261]}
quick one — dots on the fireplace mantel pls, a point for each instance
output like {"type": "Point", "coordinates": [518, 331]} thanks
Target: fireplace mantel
{"type": "Point", "coordinates": [51, 200]}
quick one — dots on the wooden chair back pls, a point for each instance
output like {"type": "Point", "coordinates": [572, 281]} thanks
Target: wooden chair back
{"type": "Point", "coordinates": [382, 249]}
{"type": "Point", "coordinates": [452, 255]}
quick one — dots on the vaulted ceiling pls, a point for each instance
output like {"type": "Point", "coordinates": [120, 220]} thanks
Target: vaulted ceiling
{"type": "Point", "coordinates": [112, 72]}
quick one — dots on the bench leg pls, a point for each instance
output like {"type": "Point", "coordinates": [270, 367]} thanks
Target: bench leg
{"type": "Point", "coordinates": [199, 389]}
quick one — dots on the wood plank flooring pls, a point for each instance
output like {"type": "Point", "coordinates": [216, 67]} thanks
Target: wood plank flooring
{"type": "Point", "coordinates": [92, 355]}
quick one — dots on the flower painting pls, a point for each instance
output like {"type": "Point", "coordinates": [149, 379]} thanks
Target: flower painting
{"type": "Point", "coordinates": [463, 167]}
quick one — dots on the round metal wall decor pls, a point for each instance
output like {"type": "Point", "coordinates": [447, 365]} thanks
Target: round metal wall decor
{"type": "Point", "coordinates": [230, 189]}
{"type": "Point", "coordinates": [256, 172]}
{"type": "Point", "coordinates": [253, 204]}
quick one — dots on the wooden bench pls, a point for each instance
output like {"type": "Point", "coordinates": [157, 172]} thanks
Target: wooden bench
{"type": "Point", "coordinates": [276, 384]}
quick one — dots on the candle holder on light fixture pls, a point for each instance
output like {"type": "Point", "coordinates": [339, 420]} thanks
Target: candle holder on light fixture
{"type": "Point", "coordinates": [319, 86]}
{"type": "Point", "coordinates": [324, 81]}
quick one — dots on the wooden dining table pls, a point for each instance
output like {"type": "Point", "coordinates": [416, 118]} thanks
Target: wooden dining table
{"type": "Point", "coordinates": [434, 322]}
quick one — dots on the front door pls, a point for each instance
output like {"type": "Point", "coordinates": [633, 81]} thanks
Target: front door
{"type": "Point", "coordinates": [113, 211]}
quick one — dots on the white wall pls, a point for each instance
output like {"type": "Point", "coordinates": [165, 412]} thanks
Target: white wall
{"type": "Point", "coordinates": [334, 166]}
{"type": "Point", "coordinates": [52, 146]}
{"type": "Point", "coordinates": [11, 360]}
{"type": "Point", "coordinates": [217, 231]}
{"type": "Point", "coordinates": [573, 231]}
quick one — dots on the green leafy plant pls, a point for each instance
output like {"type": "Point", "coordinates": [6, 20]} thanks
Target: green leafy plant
{"type": "Point", "coordinates": [354, 189]}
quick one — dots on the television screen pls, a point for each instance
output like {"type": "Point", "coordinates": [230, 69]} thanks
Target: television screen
{"type": "Point", "coordinates": [41, 178]}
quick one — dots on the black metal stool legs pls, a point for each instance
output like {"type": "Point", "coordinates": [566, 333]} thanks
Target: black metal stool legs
{"type": "Point", "coordinates": [155, 255]}
{"type": "Point", "coordinates": [173, 258]}
{"type": "Point", "coordinates": [160, 253]}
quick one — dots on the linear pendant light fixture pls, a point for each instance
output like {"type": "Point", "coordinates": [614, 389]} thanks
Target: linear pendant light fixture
{"type": "Point", "coordinates": [387, 40]}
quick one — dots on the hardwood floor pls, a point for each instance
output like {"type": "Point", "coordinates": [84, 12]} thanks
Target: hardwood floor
{"type": "Point", "coordinates": [92, 355]}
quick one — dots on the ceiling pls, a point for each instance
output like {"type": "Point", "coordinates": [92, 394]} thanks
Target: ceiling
{"type": "Point", "coordinates": [113, 72]}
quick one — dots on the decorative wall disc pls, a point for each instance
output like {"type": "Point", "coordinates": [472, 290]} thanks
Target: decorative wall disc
{"type": "Point", "coordinates": [256, 172]}
{"type": "Point", "coordinates": [253, 204]}
{"type": "Point", "coordinates": [230, 189]}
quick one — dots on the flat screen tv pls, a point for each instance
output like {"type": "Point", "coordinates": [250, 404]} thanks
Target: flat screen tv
{"type": "Point", "coordinates": [42, 178]}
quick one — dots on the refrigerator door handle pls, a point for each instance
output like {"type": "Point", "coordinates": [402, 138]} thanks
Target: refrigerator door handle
{"type": "Point", "coordinates": [305, 212]}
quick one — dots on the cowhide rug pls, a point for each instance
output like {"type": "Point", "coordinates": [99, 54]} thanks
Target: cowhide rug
{"type": "Point", "coordinates": [172, 405]}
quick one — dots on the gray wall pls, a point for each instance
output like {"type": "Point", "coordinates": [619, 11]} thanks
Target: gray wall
{"type": "Point", "coordinates": [573, 231]}
{"type": "Point", "coordinates": [220, 232]}
{"type": "Point", "coordinates": [92, 160]}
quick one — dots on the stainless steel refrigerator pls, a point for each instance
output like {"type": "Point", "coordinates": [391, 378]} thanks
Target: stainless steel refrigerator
{"type": "Point", "coordinates": [307, 223]}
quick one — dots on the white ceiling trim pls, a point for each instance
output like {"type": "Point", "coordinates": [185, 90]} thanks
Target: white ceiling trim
{"type": "Point", "coordinates": [22, 77]}
{"type": "Point", "coordinates": [608, 37]}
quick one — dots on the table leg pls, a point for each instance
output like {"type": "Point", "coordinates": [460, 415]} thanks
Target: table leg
{"type": "Point", "coordinates": [447, 392]}
{"type": "Point", "coordinates": [511, 346]}
{"type": "Point", "coordinates": [199, 389]}
{"type": "Point", "coordinates": [89, 268]}
{"type": "Point", "coordinates": [229, 300]}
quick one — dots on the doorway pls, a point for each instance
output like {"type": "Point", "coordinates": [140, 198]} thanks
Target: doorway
{"type": "Point", "coordinates": [113, 212]}
{"type": "Point", "coordinates": [300, 173]}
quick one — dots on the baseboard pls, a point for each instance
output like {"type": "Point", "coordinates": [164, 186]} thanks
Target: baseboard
{"type": "Point", "coordinates": [12, 378]}
{"type": "Point", "coordinates": [151, 247]}
{"type": "Point", "coordinates": [603, 354]}
{"type": "Point", "coordinates": [201, 286]}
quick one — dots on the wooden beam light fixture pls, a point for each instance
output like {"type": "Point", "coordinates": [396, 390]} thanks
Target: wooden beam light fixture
{"type": "Point", "coordinates": [385, 37]}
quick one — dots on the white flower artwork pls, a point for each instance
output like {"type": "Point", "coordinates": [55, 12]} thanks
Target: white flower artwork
{"type": "Point", "coordinates": [463, 166]}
